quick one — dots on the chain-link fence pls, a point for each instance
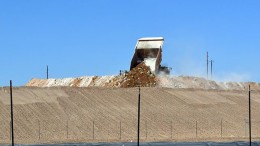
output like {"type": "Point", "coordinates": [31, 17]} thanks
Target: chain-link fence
{"type": "Point", "coordinates": [122, 130]}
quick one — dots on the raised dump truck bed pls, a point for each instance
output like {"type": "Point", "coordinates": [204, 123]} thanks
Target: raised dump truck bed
{"type": "Point", "coordinates": [149, 51]}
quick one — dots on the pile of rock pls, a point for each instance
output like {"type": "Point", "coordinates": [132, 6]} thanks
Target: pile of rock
{"type": "Point", "coordinates": [141, 75]}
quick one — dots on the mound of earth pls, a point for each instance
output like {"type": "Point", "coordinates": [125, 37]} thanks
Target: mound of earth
{"type": "Point", "coordinates": [141, 75]}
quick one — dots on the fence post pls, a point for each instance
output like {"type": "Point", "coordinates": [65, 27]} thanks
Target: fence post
{"type": "Point", "coordinates": [108, 131]}
{"type": "Point", "coordinates": [146, 130]}
{"type": "Point", "coordinates": [221, 128]}
{"type": "Point", "coordinates": [196, 129]}
{"type": "Point", "coordinates": [67, 129]}
{"type": "Point", "coordinates": [120, 131]}
{"type": "Point", "coordinates": [171, 129]}
{"type": "Point", "coordinates": [39, 129]}
{"type": "Point", "coordinates": [12, 115]}
{"type": "Point", "coordinates": [93, 129]}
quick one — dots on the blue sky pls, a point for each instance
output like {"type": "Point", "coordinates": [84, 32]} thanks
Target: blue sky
{"type": "Point", "coordinates": [97, 37]}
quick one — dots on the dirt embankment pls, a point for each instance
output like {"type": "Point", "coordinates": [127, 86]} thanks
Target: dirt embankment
{"type": "Point", "coordinates": [142, 76]}
{"type": "Point", "coordinates": [73, 114]}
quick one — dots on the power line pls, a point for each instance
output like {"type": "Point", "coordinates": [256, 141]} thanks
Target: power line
{"type": "Point", "coordinates": [211, 68]}
{"type": "Point", "coordinates": [47, 72]}
{"type": "Point", "coordinates": [207, 64]}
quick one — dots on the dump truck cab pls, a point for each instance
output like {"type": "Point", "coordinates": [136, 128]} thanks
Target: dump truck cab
{"type": "Point", "coordinates": [149, 51]}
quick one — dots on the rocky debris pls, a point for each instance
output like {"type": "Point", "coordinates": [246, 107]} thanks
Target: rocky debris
{"type": "Point", "coordinates": [141, 75]}
{"type": "Point", "coordinates": [117, 81]}
{"type": "Point", "coordinates": [76, 82]}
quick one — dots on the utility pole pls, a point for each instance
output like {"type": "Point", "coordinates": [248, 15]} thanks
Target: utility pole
{"type": "Point", "coordinates": [249, 94]}
{"type": "Point", "coordinates": [47, 72]}
{"type": "Point", "coordinates": [207, 65]}
{"type": "Point", "coordinates": [138, 129]}
{"type": "Point", "coordinates": [12, 121]}
{"type": "Point", "coordinates": [211, 68]}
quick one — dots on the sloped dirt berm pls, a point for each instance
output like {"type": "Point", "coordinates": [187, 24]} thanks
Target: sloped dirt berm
{"type": "Point", "coordinates": [94, 114]}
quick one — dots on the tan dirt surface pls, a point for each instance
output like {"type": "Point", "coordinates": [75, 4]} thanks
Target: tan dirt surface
{"type": "Point", "coordinates": [68, 114]}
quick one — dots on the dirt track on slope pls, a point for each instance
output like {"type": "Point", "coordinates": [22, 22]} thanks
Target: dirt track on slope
{"type": "Point", "coordinates": [68, 114]}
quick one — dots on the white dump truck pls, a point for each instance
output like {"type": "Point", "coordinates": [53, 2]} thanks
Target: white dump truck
{"type": "Point", "coordinates": [149, 51]}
